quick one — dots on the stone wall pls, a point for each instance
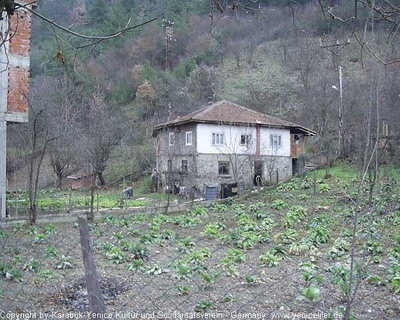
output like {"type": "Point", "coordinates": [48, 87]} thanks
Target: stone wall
{"type": "Point", "coordinates": [275, 169]}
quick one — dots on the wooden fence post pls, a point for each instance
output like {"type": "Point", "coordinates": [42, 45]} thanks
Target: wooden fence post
{"type": "Point", "coordinates": [95, 298]}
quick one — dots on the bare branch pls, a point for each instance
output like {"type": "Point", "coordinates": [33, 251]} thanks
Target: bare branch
{"type": "Point", "coordinates": [79, 35]}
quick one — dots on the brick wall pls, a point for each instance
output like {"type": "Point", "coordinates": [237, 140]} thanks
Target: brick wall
{"type": "Point", "coordinates": [18, 64]}
{"type": "Point", "coordinates": [18, 89]}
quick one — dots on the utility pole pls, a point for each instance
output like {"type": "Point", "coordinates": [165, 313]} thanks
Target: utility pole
{"type": "Point", "coordinates": [340, 113]}
{"type": "Point", "coordinates": [340, 118]}
{"type": "Point", "coordinates": [169, 37]}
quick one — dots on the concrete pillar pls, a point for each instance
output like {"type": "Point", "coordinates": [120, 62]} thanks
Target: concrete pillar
{"type": "Point", "coordinates": [3, 177]}
{"type": "Point", "coordinates": [3, 120]}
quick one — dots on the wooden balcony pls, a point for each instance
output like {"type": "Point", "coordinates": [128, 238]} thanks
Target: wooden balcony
{"type": "Point", "coordinates": [297, 145]}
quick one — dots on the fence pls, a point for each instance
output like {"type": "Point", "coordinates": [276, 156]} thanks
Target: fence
{"type": "Point", "coordinates": [230, 260]}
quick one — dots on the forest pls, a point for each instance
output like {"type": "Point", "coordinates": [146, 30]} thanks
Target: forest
{"type": "Point", "coordinates": [329, 65]}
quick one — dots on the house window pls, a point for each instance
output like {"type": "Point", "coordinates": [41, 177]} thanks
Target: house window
{"type": "Point", "coordinates": [189, 138]}
{"type": "Point", "coordinates": [171, 139]}
{"type": "Point", "coordinates": [275, 141]}
{"type": "Point", "coordinates": [245, 139]}
{"type": "Point", "coordinates": [169, 165]}
{"type": "Point", "coordinates": [185, 166]}
{"type": "Point", "coordinates": [223, 168]}
{"type": "Point", "coordinates": [217, 139]}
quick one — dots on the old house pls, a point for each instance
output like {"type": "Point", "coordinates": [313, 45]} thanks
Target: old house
{"type": "Point", "coordinates": [224, 143]}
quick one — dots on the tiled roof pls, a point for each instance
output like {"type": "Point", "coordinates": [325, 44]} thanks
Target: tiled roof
{"type": "Point", "coordinates": [230, 113]}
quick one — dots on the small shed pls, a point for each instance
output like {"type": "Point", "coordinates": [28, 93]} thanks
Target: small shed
{"type": "Point", "coordinates": [81, 180]}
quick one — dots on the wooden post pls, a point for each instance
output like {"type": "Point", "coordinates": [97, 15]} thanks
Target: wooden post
{"type": "Point", "coordinates": [96, 301]}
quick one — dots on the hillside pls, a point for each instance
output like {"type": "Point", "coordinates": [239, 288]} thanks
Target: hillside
{"type": "Point", "coordinates": [278, 58]}
{"type": "Point", "coordinates": [281, 251]}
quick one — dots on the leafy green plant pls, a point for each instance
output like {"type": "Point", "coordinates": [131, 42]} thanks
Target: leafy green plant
{"type": "Point", "coordinates": [50, 229]}
{"type": "Point", "coordinates": [312, 292]}
{"type": "Point", "coordinates": [373, 247]}
{"type": "Point", "coordinates": [287, 237]}
{"type": "Point", "coordinates": [32, 265]}
{"type": "Point", "coordinates": [261, 215]}
{"type": "Point", "coordinates": [278, 204]}
{"type": "Point", "coordinates": [270, 259]}
{"type": "Point", "coordinates": [203, 305]}
{"type": "Point", "coordinates": [247, 240]}
{"type": "Point", "coordinates": [228, 298]}
{"type": "Point", "coordinates": [18, 227]}
{"type": "Point", "coordinates": [340, 247]}
{"type": "Point", "coordinates": [279, 251]}
{"type": "Point", "coordinates": [219, 207]}
{"type": "Point", "coordinates": [250, 279]}
{"type": "Point", "coordinates": [133, 232]}
{"type": "Point", "coordinates": [118, 236]}
{"type": "Point", "coordinates": [135, 265]}
{"type": "Point", "coordinates": [318, 235]}
{"type": "Point", "coordinates": [209, 277]}
{"type": "Point", "coordinates": [198, 211]}
{"type": "Point", "coordinates": [394, 276]}
{"type": "Point", "coordinates": [182, 269]}
{"type": "Point", "coordinates": [115, 254]}
{"type": "Point", "coordinates": [263, 236]}
{"type": "Point", "coordinates": [324, 187]}
{"type": "Point", "coordinates": [340, 275]}
{"type": "Point", "coordinates": [234, 255]}
{"type": "Point", "coordinates": [3, 234]}
{"type": "Point", "coordinates": [187, 221]}
{"type": "Point", "coordinates": [266, 224]}
{"type": "Point", "coordinates": [296, 248]}
{"type": "Point", "coordinates": [46, 274]}
{"type": "Point", "coordinates": [310, 272]}
{"type": "Point", "coordinates": [51, 251]}
{"type": "Point", "coordinates": [154, 270]}
{"type": "Point", "coordinates": [213, 230]}
{"type": "Point", "coordinates": [199, 255]}
{"type": "Point", "coordinates": [231, 270]}
{"type": "Point", "coordinates": [182, 289]}
{"type": "Point", "coordinates": [376, 280]}
{"type": "Point", "coordinates": [98, 232]}
{"type": "Point", "coordinates": [138, 250]}
{"type": "Point", "coordinates": [39, 238]}
{"type": "Point", "coordinates": [16, 259]}
{"type": "Point", "coordinates": [306, 183]}
{"type": "Point", "coordinates": [64, 262]}
{"type": "Point", "coordinates": [289, 186]}
{"type": "Point", "coordinates": [10, 273]}
{"type": "Point", "coordinates": [186, 245]}
{"type": "Point", "coordinates": [239, 209]}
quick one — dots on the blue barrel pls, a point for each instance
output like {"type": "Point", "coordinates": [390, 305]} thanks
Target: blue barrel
{"type": "Point", "coordinates": [211, 193]}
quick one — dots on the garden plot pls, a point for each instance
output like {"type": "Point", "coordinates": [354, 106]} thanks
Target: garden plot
{"type": "Point", "coordinates": [282, 250]}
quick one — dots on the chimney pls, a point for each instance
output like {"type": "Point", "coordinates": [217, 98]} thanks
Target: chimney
{"type": "Point", "coordinates": [175, 115]}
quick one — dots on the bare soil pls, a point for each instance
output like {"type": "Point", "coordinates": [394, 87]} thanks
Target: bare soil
{"type": "Point", "coordinates": [156, 290]}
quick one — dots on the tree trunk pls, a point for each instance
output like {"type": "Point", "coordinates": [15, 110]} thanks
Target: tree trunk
{"type": "Point", "coordinates": [59, 180]}
{"type": "Point", "coordinates": [101, 178]}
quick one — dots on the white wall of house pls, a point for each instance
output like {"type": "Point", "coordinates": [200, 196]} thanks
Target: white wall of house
{"type": "Point", "coordinates": [233, 137]}
{"type": "Point", "coordinates": [265, 144]}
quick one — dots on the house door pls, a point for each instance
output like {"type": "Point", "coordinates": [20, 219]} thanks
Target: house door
{"type": "Point", "coordinates": [258, 173]}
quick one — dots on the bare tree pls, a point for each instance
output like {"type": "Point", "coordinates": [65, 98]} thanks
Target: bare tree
{"type": "Point", "coordinates": [99, 133]}
{"type": "Point", "coordinates": [40, 136]}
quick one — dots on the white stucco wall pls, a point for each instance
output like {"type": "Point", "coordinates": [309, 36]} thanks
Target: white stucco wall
{"type": "Point", "coordinates": [265, 145]}
{"type": "Point", "coordinates": [232, 135]}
